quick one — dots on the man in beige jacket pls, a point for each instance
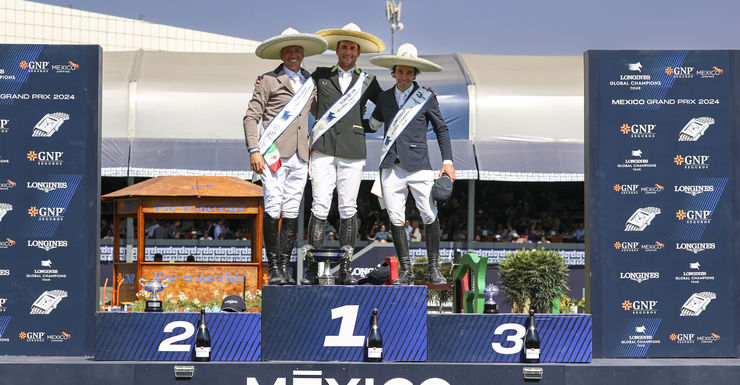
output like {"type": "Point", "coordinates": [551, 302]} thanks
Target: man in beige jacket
{"type": "Point", "coordinates": [279, 152]}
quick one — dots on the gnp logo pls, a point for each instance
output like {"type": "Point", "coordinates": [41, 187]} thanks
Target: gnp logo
{"type": "Point", "coordinates": [4, 126]}
{"type": "Point", "coordinates": [32, 336]}
{"type": "Point", "coordinates": [7, 185]}
{"type": "Point", "coordinates": [680, 72]}
{"type": "Point", "coordinates": [639, 130]}
{"type": "Point", "coordinates": [316, 377]}
{"type": "Point", "coordinates": [640, 306]}
{"type": "Point", "coordinates": [46, 213]}
{"type": "Point", "coordinates": [692, 162]}
{"type": "Point", "coordinates": [69, 67]}
{"type": "Point", "coordinates": [626, 189]}
{"type": "Point", "coordinates": [693, 190]}
{"type": "Point", "coordinates": [694, 217]}
{"type": "Point", "coordinates": [46, 186]}
{"type": "Point", "coordinates": [710, 73]}
{"type": "Point", "coordinates": [34, 66]}
{"type": "Point", "coordinates": [682, 338]}
{"type": "Point", "coordinates": [46, 244]}
{"type": "Point", "coordinates": [696, 247]}
{"type": "Point", "coordinates": [45, 158]}
{"type": "Point", "coordinates": [627, 247]}
{"type": "Point", "coordinates": [3, 301]}
{"type": "Point", "coordinates": [7, 243]}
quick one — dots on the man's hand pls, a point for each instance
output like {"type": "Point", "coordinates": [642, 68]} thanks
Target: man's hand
{"type": "Point", "coordinates": [258, 162]}
{"type": "Point", "coordinates": [432, 91]}
{"type": "Point", "coordinates": [257, 81]}
{"type": "Point", "coordinates": [447, 169]}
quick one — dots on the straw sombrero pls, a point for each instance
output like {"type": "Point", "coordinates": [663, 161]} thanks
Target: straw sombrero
{"type": "Point", "coordinates": [406, 56]}
{"type": "Point", "coordinates": [312, 44]}
{"type": "Point", "coordinates": [351, 32]}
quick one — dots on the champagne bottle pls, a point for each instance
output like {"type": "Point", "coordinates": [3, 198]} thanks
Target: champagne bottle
{"type": "Point", "coordinates": [202, 340]}
{"type": "Point", "coordinates": [531, 341]}
{"type": "Point", "coordinates": [374, 340]}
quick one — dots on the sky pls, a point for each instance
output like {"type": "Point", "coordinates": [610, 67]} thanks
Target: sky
{"type": "Point", "coordinates": [494, 27]}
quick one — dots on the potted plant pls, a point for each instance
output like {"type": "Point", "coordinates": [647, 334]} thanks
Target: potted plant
{"type": "Point", "coordinates": [533, 278]}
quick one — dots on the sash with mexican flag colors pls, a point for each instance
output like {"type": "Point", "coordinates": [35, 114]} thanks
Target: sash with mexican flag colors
{"type": "Point", "coordinates": [280, 122]}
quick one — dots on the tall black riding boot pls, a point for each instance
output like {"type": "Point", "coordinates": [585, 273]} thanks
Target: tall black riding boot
{"type": "Point", "coordinates": [270, 234]}
{"type": "Point", "coordinates": [347, 237]}
{"type": "Point", "coordinates": [431, 232]}
{"type": "Point", "coordinates": [288, 229]}
{"type": "Point", "coordinates": [316, 229]}
{"type": "Point", "coordinates": [401, 244]}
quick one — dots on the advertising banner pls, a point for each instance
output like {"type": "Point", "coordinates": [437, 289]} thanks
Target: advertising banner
{"type": "Point", "coordinates": [49, 198]}
{"type": "Point", "coordinates": [660, 153]}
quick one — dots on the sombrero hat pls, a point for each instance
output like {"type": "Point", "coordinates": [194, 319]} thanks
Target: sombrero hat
{"type": "Point", "coordinates": [406, 56]}
{"type": "Point", "coordinates": [312, 44]}
{"type": "Point", "coordinates": [351, 32]}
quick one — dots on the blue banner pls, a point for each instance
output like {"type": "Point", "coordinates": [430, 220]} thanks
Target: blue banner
{"type": "Point", "coordinates": [660, 154]}
{"type": "Point", "coordinates": [49, 198]}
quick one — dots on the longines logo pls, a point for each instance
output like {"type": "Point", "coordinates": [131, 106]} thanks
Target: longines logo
{"type": "Point", "coordinates": [640, 338]}
{"type": "Point", "coordinates": [46, 274]}
{"type": "Point", "coordinates": [638, 130]}
{"type": "Point", "coordinates": [627, 247]}
{"type": "Point", "coordinates": [692, 162]}
{"type": "Point", "coordinates": [694, 217]}
{"type": "Point", "coordinates": [639, 306]}
{"type": "Point", "coordinates": [639, 277]}
{"type": "Point", "coordinates": [693, 190]}
{"type": "Point", "coordinates": [45, 158]}
{"type": "Point", "coordinates": [46, 186]}
{"type": "Point", "coordinates": [3, 160]}
{"type": "Point", "coordinates": [46, 213]}
{"type": "Point", "coordinates": [46, 244]}
{"type": "Point", "coordinates": [4, 125]}
{"type": "Point", "coordinates": [637, 161]}
{"type": "Point", "coordinates": [696, 247]}
{"type": "Point", "coordinates": [7, 185]}
{"type": "Point", "coordinates": [694, 274]}
{"type": "Point", "coordinates": [7, 243]}
{"type": "Point", "coordinates": [635, 79]}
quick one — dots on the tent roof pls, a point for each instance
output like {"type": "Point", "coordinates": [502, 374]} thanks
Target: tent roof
{"type": "Point", "coordinates": [189, 186]}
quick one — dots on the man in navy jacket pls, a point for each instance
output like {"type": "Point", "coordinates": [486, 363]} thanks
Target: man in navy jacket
{"type": "Point", "coordinates": [405, 111]}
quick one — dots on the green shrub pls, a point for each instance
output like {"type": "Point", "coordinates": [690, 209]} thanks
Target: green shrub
{"type": "Point", "coordinates": [535, 277]}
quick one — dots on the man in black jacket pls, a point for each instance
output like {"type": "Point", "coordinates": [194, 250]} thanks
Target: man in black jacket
{"type": "Point", "coordinates": [338, 140]}
{"type": "Point", "coordinates": [405, 111]}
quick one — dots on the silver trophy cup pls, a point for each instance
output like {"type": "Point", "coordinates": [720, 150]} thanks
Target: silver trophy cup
{"type": "Point", "coordinates": [154, 287]}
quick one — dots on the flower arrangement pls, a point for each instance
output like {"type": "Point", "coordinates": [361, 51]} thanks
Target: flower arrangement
{"type": "Point", "coordinates": [181, 302]}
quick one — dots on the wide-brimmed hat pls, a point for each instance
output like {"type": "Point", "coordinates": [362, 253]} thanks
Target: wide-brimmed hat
{"type": "Point", "coordinates": [351, 32]}
{"type": "Point", "coordinates": [312, 44]}
{"type": "Point", "coordinates": [407, 55]}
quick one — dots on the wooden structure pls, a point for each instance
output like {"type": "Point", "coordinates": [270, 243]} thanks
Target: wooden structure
{"type": "Point", "coordinates": [192, 197]}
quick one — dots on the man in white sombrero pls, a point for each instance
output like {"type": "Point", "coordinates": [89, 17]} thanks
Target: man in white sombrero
{"type": "Point", "coordinates": [338, 140]}
{"type": "Point", "coordinates": [405, 111]}
{"type": "Point", "coordinates": [282, 101]}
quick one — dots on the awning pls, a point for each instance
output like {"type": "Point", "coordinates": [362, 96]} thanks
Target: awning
{"type": "Point", "coordinates": [530, 161]}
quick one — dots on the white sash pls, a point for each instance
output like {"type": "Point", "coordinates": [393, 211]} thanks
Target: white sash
{"type": "Point", "coordinates": [286, 116]}
{"type": "Point", "coordinates": [340, 108]}
{"type": "Point", "coordinates": [399, 123]}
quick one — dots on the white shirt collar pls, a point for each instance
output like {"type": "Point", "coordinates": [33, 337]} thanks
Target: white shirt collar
{"type": "Point", "coordinates": [401, 96]}
{"type": "Point", "coordinates": [345, 73]}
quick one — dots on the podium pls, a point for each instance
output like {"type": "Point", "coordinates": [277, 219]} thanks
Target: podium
{"type": "Point", "coordinates": [330, 323]}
